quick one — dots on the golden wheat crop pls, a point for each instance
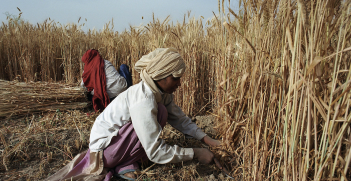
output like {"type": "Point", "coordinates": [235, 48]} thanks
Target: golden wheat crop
{"type": "Point", "coordinates": [285, 96]}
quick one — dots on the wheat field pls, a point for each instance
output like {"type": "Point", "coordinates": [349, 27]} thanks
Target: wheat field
{"type": "Point", "coordinates": [275, 74]}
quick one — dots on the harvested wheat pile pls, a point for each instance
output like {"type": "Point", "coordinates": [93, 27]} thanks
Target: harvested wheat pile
{"type": "Point", "coordinates": [20, 98]}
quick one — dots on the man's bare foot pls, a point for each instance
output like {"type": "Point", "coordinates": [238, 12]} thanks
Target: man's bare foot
{"type": "Point", "coordinates": [130, 175]}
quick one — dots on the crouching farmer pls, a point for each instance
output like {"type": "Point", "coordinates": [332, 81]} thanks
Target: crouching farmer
{"type": "Point", "coordinates": [129, 128]}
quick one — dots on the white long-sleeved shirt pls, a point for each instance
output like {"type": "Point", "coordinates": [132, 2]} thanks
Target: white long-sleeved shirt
{"type": "Point", "coordinates": [138, 105]}
{"type": "Point", "coordinates": [115, 83]}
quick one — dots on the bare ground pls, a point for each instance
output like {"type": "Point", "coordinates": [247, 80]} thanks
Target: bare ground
{"type": "Point", "coordinates": [35, 147]}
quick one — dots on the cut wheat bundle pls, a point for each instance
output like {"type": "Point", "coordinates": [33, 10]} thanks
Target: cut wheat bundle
{"type": "Point", "coordinates": [20, 98]}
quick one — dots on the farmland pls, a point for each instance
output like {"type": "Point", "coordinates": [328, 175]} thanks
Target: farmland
{"type": "Point", "coordinates": [274, 77]}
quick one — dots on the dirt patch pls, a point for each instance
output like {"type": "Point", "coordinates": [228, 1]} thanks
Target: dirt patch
{"type": "Point", "coordinates": [35, 147]}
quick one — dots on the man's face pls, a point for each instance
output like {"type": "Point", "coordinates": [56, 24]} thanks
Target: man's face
{"type": "Point", "coordinates": [169, 84]}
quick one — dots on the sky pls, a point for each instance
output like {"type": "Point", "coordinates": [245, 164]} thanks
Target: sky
{"type": "Point", "coordinates": [125, 13]}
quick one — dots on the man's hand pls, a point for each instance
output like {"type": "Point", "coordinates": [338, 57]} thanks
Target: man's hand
{"type": "Point", "coordinates": [204, 155]}
{"type": "Point", "coordinates": [211, 142]}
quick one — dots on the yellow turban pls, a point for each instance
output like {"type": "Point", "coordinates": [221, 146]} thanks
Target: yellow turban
{"type": "Point", "coordinates": [159, 64]}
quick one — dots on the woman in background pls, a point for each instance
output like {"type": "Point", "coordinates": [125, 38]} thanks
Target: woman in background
{"type": "Point", "coordinates": [102, 80]}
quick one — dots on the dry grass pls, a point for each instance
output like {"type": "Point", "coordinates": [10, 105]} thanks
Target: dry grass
{"type": "Point", "coordinates": [34, 147]}
{"type": "Point", "coordinates": [31, 143]}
